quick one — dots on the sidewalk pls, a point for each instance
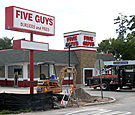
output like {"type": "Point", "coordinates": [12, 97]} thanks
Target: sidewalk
{"type": "Point", "coordinates": [26, 90]}
{"type": "Point", "coordinates": [18, 90]}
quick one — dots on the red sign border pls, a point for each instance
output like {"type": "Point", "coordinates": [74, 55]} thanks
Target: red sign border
{"type": "Point", "coordinates": [17, 45]}
{"type": "Point", "coordinates": [9, 21]}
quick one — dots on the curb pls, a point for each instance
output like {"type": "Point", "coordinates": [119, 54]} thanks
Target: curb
{"type": "Point", "coordinates": [100, 103]}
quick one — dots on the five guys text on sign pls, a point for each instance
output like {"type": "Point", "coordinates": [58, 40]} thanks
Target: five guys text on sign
{"type": "Point", "coordinates": [24, 20]}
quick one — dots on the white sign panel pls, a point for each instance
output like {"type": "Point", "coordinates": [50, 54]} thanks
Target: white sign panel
{"type": "Point", "coordinates": [29, 21]}
{"type": "Point", "coordinates": [34, 46]}
{"type": "Point", "coordinates": [30, 45]}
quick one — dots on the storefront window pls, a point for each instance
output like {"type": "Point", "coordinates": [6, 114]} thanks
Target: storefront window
{"type": "Point", "coordinates": [2, 72]}
{"type": "Point", "coordinates": [18, 70]}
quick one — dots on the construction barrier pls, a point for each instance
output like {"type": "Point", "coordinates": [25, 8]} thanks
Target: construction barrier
{"type": "Point", "coordinates": [99, 85]}
{"type": "Point", "coordinates": [43, 101]}
{"type": "Point", "coordinates": [67, 97]}
{"type": "Point", "coordinates": [68, 91]}
{"type": "Point", "coordinates": [64, 100]}
{"type": "Point", "coordinates": [64, 103]}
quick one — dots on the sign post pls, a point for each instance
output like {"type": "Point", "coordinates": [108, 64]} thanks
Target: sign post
{"type": "Point", "coordinates": [31, 65]}
{"type": "Point", "coordinates": [67, 45]}
{"type": "Point", "coordinates": [24, 20]}
{"type": "Point", "coordinates": [31, 46]}
{"type": "Point", "coordinates": [100, 65]}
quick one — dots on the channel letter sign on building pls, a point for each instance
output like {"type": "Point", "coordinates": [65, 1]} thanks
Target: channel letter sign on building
{"type": "Point", "coordinates": [80, 39]}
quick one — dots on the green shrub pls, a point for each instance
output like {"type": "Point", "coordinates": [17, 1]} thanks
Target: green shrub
{"type": "Point", "coordinates": [5, 112]}
{"type": "Point", "coordinates": [14, 112]}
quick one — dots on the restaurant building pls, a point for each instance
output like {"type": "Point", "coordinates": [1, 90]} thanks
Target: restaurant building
{"type": "Point", "coordinates": [83, 56]}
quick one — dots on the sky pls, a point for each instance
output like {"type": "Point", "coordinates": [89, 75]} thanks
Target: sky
{"type": "Point", "coordinates": [71, 15]}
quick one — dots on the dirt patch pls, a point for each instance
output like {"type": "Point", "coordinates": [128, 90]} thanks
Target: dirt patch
{"type": "Point", "coordinates": [85, 98]}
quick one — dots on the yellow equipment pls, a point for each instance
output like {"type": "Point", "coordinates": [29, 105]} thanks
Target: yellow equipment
{"type": "Point", "coordinates": [46, 84]}
{"type": "Point", "coordinates": [66, 70]}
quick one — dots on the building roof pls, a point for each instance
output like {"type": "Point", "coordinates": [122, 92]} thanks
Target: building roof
{"type": "Point", "coordinates": [80, 31]}
{"type": "Point", "coordinates": [17, 56]}
{"type": "Point", "coordinates": [60, 57]}
{"type": "Point", "coordinates": [105, 57]}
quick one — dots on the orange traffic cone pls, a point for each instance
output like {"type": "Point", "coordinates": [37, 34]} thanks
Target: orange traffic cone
{"type": "Point", "coordinates": [45, 90]}
{"type": "Point", "coordinates": [72, 86]}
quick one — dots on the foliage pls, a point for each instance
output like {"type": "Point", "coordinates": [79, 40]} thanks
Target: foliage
{"type": "Point", "coordinates": [122, 22]}
{"type": "Point", "coordinates": [14, 112]}
{"type": "Point", "coordinates": [5, 112]}
{"type": "Point", "coordinates": [104, 46]}
{"type": "Point", "coordinates": [24, 111]}
{"type": "Point", "coordinates": [124, 46]}
{"type": "Point", "coordinates": [6, 43]}
{"type": "Point", "coordinates": [131, 23]}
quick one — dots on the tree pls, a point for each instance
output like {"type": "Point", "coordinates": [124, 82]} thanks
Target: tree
{"type": "Point", "coordinates": [6, 43]}
{"type": "Point", "coordinates": [131, 23]}
{"type": "Point", "coordinates": [113, 46]}
{"type": "Point", "coordinates": [124, 46]}
{"type": "Point", "coordinates": [129, 48]}
{"type": "Point", "coordinates": [104, 46]}
{"type": "Point", "coordinates": [122, 25]}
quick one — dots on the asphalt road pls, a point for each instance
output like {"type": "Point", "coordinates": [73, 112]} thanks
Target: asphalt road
{"type": "Point", "coordinates": [125, 99]}
{"type": "Point", "coordinates": [125, 104]}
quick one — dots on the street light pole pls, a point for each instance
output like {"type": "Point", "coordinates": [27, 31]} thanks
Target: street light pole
{"type": "Point", "coordinates": [67, 45]}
